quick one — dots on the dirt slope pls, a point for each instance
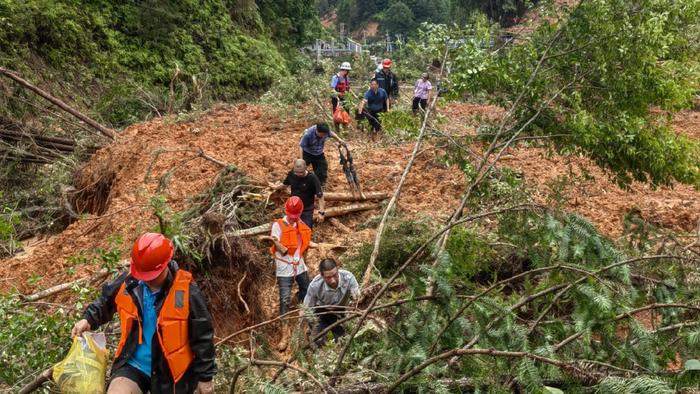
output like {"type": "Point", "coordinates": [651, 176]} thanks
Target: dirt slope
{"type": "Point", "coordinates": [264, 146]}
{"type": "Point", "coordinates": [598, 198]}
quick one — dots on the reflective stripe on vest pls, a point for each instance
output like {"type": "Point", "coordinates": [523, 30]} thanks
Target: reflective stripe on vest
{"type": "Point", "coordinates": [172, 328]}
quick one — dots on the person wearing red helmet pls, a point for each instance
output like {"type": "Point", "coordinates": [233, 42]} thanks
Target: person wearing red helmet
{"type": "Point", "coordinates": [290, 238]}
{"type": "Point", "coordinates": [166, 342]}
{"type": "Point", "coordinates": [388, 81]}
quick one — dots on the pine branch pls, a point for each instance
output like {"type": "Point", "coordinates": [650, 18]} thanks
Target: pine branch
{"type": "Point", "coordinates": [414, 256]}
{"type": "Point", "coordinates": [568, 367]}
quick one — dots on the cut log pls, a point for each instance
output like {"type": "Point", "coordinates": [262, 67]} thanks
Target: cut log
{"type": "Point", "coordinates": [330, 212]}
{"type": "Point", "coordinates": [109, 133]}
{"type": "Point", "coordinates": [346, 196]}
{"type": "Point", "coordinates": [335, 196]}
{"type": "Point", "coordinates": [350, 208]}
{"type": "Point", "coordinates": [43, 377]}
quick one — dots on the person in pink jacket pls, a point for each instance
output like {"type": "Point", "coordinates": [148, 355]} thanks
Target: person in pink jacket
{"type": "Point", "coordinates": [421, 93]}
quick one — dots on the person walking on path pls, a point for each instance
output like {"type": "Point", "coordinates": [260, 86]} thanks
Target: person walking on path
{"type": "Point", "coordinates": [290, 238]}
{"type": "Point", "coordinates": [328, 292]}
{"type": "Point", "coordinates": [340, 83]}
{"type": "Point", "coordinates": [374, 102]}
{"type": "Point", "coordinates": [307, 187]}
{"type": "Point", "coordinates": [388, 81]}
{"type": "Point", "coordinates": [311, 148]}
{"type": "Point", "coordinates": [166, 343]}
{"type": "Point", "coordinates": [421, 93]}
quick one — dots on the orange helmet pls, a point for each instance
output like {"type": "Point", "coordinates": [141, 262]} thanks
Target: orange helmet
{"type": "Point", "coordinates": [293, 207]}
{"type": "Point", "coordinates": [386, 63]}
{"type": "Point", "coordinates": [150, 256]}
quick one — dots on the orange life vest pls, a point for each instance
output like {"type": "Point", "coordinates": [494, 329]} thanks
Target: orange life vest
{"type": "Point", "coordinates": [289, 237]}
{"type": "Point", "coordinates": [172, 327]}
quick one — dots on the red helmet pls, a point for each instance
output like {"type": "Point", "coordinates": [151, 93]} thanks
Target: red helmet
{"type": "Point", "coordinates": [386, 63]}
{"type": "Point", "coordinates": [293, 207]}
{"type": "Point", "coordinates": [150, 256]}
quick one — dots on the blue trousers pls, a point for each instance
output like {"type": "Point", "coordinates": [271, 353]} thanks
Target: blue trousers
{"type": "Point", "coordinates": [285, 284]}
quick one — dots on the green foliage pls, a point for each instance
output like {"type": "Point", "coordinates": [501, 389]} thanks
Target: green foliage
{"type": "Point", "coordinates": [401, 237]}
{"type": "Point", "coordinates": [601, 71]}
{"type": "Point", "coordinates": [639, 385]}
{"type": "Point", "coordinates": [398, 18]}
{"type": "Point", "coordinates": [173, 226]}
{"type": "Point", "coordinates": [469, 253]}
{"type": "Point", "coordinates": [31, 339]}
{"type": "Point", "coordinates": [401, 125]}
{"type": "Point", "coordinates": [295, 22]}
{"type": "Point", "coordinates": [9, 220]}
{"type": "Point", "coordinates": [141, 45]}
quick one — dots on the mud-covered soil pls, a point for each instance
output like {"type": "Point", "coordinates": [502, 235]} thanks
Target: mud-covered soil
{"type": "Point", "coordinates": [161, 156]}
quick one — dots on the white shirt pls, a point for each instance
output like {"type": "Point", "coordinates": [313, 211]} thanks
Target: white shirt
{"type": "Point", "coordinates": [282, 261]}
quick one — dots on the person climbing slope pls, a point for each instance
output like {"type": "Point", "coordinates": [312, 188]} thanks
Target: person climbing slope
{"type": "Point", "coordinates": [330, 289]}
{"type": "Point", "coordinates": [311, 147]}
{"type": "Point", "coordinates": [340, 83]}
{"type": "Point", "coordinates": [166, 343]}
{"type": "Point", "coordinates": [388, 81]}
{"type": "Point", "coordinates": [374, 102]}
{"type": "Point", "coordinates": [290, 239]}
{"type": "Point", "coordinates": [421, 93]}
{"type": "Point", "coordinates": [305, 185]}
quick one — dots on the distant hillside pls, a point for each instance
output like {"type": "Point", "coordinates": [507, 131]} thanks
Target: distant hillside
{"type": "Point", "coordinates": [117, 60]}
{"type": "Point", "coordinates": [403, 16]}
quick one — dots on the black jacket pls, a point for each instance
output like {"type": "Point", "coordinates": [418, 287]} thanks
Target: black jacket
{"type": "Point", "coordinates": [201, 333]}
{"type": "Point", "coordinates": [388, 82]}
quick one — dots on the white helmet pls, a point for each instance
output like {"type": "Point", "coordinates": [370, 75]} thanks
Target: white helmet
{"type": "Point", "coordinates": [345, 66]}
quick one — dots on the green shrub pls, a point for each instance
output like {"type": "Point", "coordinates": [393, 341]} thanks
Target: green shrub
{"type": "Point", "coordinates": [469, 253]}
{"type": "Point", "coordinates": [402, 237]}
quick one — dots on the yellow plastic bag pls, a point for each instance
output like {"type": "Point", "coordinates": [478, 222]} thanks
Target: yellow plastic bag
{"type": "Point", "coordinates": [83, 370]}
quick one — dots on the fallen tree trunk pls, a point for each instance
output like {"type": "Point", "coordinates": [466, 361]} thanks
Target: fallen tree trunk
{"type": "Point", "coordinates": [330, 212]}
{"type": "Point", "coordinates": [336, 196]}
{"type": "Point", "coordinates": [101, 274]}
{"type": "Point", "coordinates": [43, 377]}
{"type": "Point", "coordinates": [109, 133]}
{"type": "Point", "coordinates": [58, 140]}
{"type": "Point", "coordinates": [347, 196]}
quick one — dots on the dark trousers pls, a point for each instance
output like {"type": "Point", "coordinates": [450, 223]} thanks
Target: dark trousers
{"type": "Point", "coordinates": [285, 284]}
{"type": "Point", "coordinates": [373, 118]}
{"type": "Point", "coordinates": [308, 217]}
{"type": "Point", "coordinates": [319, 164]}
{"type": "Point", "coordinates": [419, 102]}
{"type": "Point", "coordinates": [325, 319]}
{"type": "Point", "coordinates": [335, 101]}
